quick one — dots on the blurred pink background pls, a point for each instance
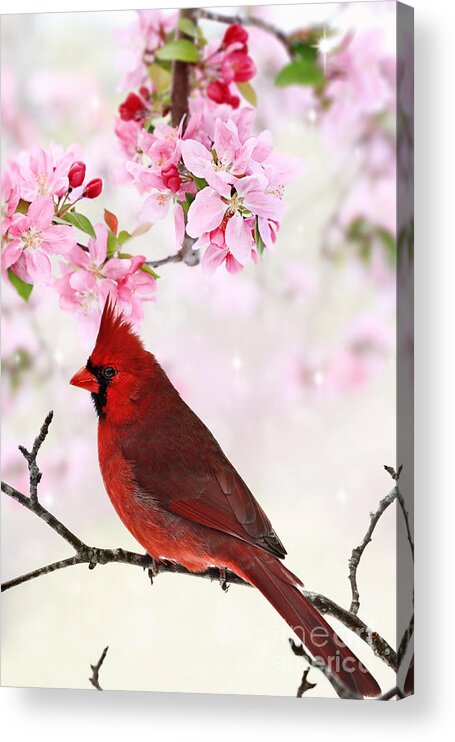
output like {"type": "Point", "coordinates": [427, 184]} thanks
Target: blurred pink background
{"type": "Point", "coordinates": [291, 364]}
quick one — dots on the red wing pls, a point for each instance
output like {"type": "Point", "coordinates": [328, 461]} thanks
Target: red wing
{"type": "Point", "coordinates": [191, 477]}
{"type": "Point", "coordinates": [222, 500]}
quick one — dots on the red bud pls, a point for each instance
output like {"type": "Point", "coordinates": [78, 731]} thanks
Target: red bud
{"type": "Point", "coordinates": [238, 67]}
{"type": "Point", "coordinates": [236, 34]}
{"type": "Point", "coordinates": [220, 93]}
{"type": "Point", "coordinates": [76, 174]}
{"type": "Point", "coordinates": [171, 178]}
{"type": "Point", "coordinates": [93, 188]}
{"type": "Point", "coordinates": [132, 108]}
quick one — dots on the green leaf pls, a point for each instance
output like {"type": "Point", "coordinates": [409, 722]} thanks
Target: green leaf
{"type": "Point", "coordinates": [187, 26]}
{"type": "Point", "coordinates": [389, 243]}
{"type": "Point", "coordinates": [200, 183]}
{"type": "Point", "coordinates": [23, 289]}
{"type": "Point", "coordinates": [80, 221]}
{"type": "Point", "coordinates": [147, 269]}
{"type": "Point", "coordinates": [248, 93]}
{"type": "Point", "coordinates": [123, 236]}
{"type": "Point", "coordinates": [357, 229]}
{"type": "Point", "coordinates": [260, 244]}
{"type": "Point", "coordinates": [299, 72]}
{"type": "Point", "coordinates": [112, 243]}
{"type": "Point", "coordinates": [306, 50]}
{"type": "Point", "coordinates": [160, 77]}
{"type": "Point", "coordinates": [182, 50]}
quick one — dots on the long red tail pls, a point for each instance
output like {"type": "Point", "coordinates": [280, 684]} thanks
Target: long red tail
{"type": "Point", "coordinates": [281, 588]}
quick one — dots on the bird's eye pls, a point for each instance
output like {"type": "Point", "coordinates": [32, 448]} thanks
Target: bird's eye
{"type": "Point", "coordinates": [109, 372]}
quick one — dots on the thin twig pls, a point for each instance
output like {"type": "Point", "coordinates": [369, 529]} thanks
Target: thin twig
{"type": "Point", "coordinates": [396, 475]}
{"type": "Point", "coordinates": [406, 638]}
{"type": "Point", "coordinates": [357, 552]}
{"type": "Point", "coordinates": [96, 670]}
{"type": "Point", "coordinates": [305, 684]}
{"type": "Point", "coordinates": [186, 255]}
{"type": "Point", "coordinates": [341, 689]}
{"type": "Point", "coordinates": [45, 515]}
{"type": "Point", "coordinates": [211, 15]}
{"type": "Point", "coordinates": [380, 647]}
{"type": "Point", "coordinates": [30, 457]}
{"type": "Point", "coordinates": [392, 693]}
{"type": "Point", "coordinates": [177, 258]}
{"type": "Point", "coordinates": [400, 499]}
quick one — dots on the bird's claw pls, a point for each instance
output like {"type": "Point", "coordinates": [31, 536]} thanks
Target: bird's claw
{"type": "Point", "coordinates": [154, 569]}
{"type": "Point", "coordinates": [223, 582]}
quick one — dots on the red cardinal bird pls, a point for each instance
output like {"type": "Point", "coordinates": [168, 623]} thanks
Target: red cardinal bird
{"type": "Point", "coordinates": [180, 497]}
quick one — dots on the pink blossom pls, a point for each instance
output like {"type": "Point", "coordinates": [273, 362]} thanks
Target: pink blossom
{"type": "Point", "coordinates": [131, 291]}
{"type": "Point", "coordinates": [10, 200]}
{"type": "Point", "coordinates": [127, 133]}
{"type": "Point", "coordinates": [92, 276]}
{"type": "Point", "coordinates": [227, 158]}
{"type": "Point", "coordinates": [45, 172]}
{"type": "Point", "coordinates": [141, 41]}
{"type": "Point", "coordinates": [156, 207]}
{"type": "Point", "coordinates": [33, 238]}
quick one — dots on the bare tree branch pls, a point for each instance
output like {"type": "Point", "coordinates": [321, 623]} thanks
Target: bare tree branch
{"type": "Point", "coordinates": [406, 638]}
{"type": "Point", "coordinates": [400, 499]}
{"type": "Point", "coordinates": [252, 20]}
{"type": "Point", "coordinates": [305, 684]}
{"type": "Point", "coordinates": [396, 475]}
{"type": "Point", "coordinates": [180, 88]}
{"type": "Point", "coordinates": [340, 688]}
{"type": "Point", "coordinates": [392, 693]}
{"type": "Point", "coordinates": [93, 556]}
{"type": "Point", "coordinates": [180, 92]}
{"type": "Point", "coordinates": [357, 552]}
{"type": "Point", "coordinates": [30, 457]}
{"type": "Point", "coordinates": [186, 255]}
{"type": "Point", "coordinates": [96, 670]}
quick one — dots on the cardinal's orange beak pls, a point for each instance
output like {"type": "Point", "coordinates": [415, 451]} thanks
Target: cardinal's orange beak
{"type": "Point", "coordinates": [85, 380]}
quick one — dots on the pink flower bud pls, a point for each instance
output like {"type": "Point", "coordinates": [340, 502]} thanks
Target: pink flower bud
{"type": "Point", "coordinates": [171, 178]}
{"type": "Point", "coordinates": [236, 34]}
{"type": "Point", "coordinates": [93, 188]}
{"type": "Point", "coordinates": [76, 174]}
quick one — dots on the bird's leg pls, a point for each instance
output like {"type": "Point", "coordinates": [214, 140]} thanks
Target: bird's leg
{"type": "Point", "coordinates": [223, 582]}
{"type": "Point", "coordinates": [154, 569]}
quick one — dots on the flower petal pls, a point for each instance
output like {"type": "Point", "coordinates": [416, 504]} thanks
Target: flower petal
{"type": "Point", "coordinates": [212, 259]}
{"type": "Point", "coordinates": [239, 239]}
{"type": "Point", "coordinates": [40, 212]}
{"type": "Point", "coordinates": [205, 213]}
